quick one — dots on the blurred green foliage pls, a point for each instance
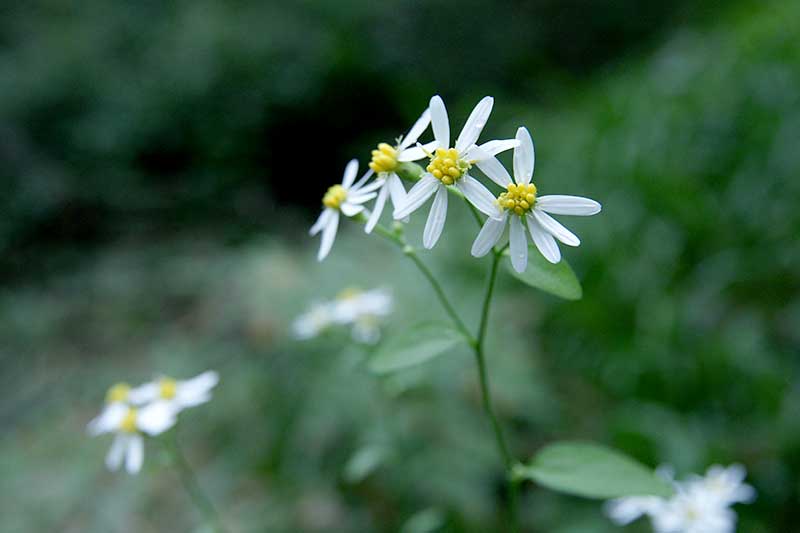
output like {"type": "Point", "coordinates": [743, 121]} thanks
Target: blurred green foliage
{"type": "Point", "coordinates": [145, 125]}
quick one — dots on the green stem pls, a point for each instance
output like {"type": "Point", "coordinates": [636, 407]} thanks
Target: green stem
{"type": "Point", "coordinates": [192, 486]}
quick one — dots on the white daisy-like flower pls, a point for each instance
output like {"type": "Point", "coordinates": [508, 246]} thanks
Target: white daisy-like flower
{"type": "Point", "coordinates": [623, 511]}
{"type": "Point", "coordinates": [177, 395]}
{"type": "Point", "coordinates": [364, 310]}
{"type": "Point", "coordinates": [693, 510]}
{"type": "Point", "coordinates": [724, 485]}
{"type": "Point", "coordinates": [118, 395]}
{"type": "Point", "coordinates": [451, 166]}
{"type": "Point", "coordinates": [129, 424]}
{"type": "Point", "coordinates": [520, 203]}
{"type": "Point", "coordinates": [385, 160]}
{"type": "Point", "coordinates": [313, 322]}
{"type": "Point", "coordinates": [348, 199]}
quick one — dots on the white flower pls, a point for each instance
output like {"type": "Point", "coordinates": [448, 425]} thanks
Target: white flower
{"type": "Point", "coordinates": [519, 203]}
{"type": "Point", "coordinates": [724, 485]}
{"type": "Point", "coordinates": [623, 511]}
{"type": "Point", "coordinates": [363, 309]}
{"type": "Point", "coordinates": [385, 160]}
{"type": "Point", "coordinates": [450, 166]}
{"type": "Point", "coordinates": [177, 395]}
{"type": "Point", "coordinates": [128, 424]}
{"type": "Point", "coordinates": [118, 395]}
{"type": "Point", "coordinates": [314, 321]}
{"type": "Point", "coordinates": [693, 510]}
{"type": "Point", "coordinates": [347, 198]}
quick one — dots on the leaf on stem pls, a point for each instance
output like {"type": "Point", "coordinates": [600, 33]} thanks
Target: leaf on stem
{"type": "Point", "coordinates": [557, 279]}
{"type": "Point", "coordinates": [413, 346]}
{"type": "Point", "coordinates": [593, 471]}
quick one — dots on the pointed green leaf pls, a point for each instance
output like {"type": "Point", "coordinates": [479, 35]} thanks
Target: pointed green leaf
{"type": "Point", "coordinates": [414, 346]}
{"type": "Point", "coordinates": [558, 279]}
{"type": "Point", "coordinates": [592, 471]}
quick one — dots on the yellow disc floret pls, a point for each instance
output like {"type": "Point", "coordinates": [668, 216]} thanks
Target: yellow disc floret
{"type": "Point", "coordinates": [518, 198]}
{"type": "Point", "coordinates": [348, 293]}
{"type": "Point", "coordinates": [335, 197]}
{"type": "Point", "coordinates": [446, 166]}
{"type": "Point", "coordinates": [167, 388]}
{"type": "Point", "coordinates": [118, 393]}
{"type": "Point", "coordinates": [128, 422]}
{"type": "Point", "coordinates": [384, 159]}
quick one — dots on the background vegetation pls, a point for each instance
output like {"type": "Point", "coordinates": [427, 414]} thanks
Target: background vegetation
{"type": "Point", "coordinates": [162, 164]}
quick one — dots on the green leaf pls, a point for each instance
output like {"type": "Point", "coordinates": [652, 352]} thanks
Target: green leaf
{"type": "Point", "coordinates": [592, 471]}
{"type": "Point", "coordinates": [558, 279]}
{"type": "Point", "coordinates": [414, 346]}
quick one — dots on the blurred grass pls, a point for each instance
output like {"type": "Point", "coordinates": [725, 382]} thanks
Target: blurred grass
{"type": "Point", "coordinates": [684, 349]}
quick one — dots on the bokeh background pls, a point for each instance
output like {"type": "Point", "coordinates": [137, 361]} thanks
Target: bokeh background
{"type": "Point", "coordinates": [161, 163]}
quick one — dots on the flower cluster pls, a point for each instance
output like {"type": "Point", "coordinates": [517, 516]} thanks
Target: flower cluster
{"type": "Point", "coordinates": [149, 409]}
{"type": "Point", "coordinates": [450, 168]}
{"type": "Point", "coordinates": [700, 504]}
{"type": "Point", "coordinates": [363, 310]}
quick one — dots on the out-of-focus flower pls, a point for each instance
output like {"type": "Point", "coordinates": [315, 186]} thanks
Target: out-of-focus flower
{"type": "Point", "coordinates": [520, 203]}
{"type": "Point", "coordinates": [348, 199]}
{"type": "Point", "coordinates": [363, 310]}
{"type": "Point", "coordinates": [128, 425]}
{"type": "Point", "coordinates": [117, 395]}
{"type": "Point", "coordinates": [313, 322]}
{"type": "Point", "coordinates": [178, 395]}
{"type": "Point", "coordinates": [451, 166]}
{"type": "Point", "coordinates": [700, 504]}
{"type": "Point", "coordinates": [386, 158]}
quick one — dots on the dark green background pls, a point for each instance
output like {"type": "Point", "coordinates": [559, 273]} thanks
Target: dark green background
{"type": "Point", "coordinates": [162, 163]}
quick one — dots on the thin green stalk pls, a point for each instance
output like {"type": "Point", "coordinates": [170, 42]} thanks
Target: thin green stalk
{"type": "Point", "coordinates": [192, 486]}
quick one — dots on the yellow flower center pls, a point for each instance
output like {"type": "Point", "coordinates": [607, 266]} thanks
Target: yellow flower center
{"type": "Point", "coordinates": [335, 197]}
{"type": "Point", "coordinates": [348, 293]}
{"type": "Point", "coordinates": [446, 166]}
{"type": "Point", "coordinates": [167, 387]}
{"type": "Point", "coordinates": [118, 393]}
{"type": "Point", "coordinates": [384, 159]}
{"type": "Point", "coordinates": [518, 198]}
{"type": "Point", "coordinates": [128, 422]}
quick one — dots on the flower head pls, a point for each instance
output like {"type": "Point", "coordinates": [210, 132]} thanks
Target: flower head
{"type": "Point", "coordinates": [314, 321]}
{"type": "Point", "coordinates": [363, 310]}
{"type": "Point", "coordinates": [450, 165]}
{"type": "Point", "coordinates": [521, 206]}
{"type": "Point", "coordinates": [179, 395]}
{"type": "Point", "coordinates": [347, 198]}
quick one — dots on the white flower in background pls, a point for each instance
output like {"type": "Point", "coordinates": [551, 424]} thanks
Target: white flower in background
{"type": "Point", "coordinates": [385, 160]}
{"type": "Point", "coordinates": [117, 395]}
{"type": "Point", "coordinates": [364, 310]}
{"type": "Point", "coordinates": [451, 166]}
{"type": "Point", "coordinates": [177, 395]}
{"type": "Point", "coordinates": [128, 425]}
{"type": "Point", "coordinates": [348, 199]}
{"type": "Point", "coordinates": [700, 505]}
{"type": "Point", "coordinates": [520, 203]}
{"type": "Point", "coordinates": [314, 321]}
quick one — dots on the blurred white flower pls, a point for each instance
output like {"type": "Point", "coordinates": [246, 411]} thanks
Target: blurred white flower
{"type": "Point", "coordinates": [348, 199]}
{"type": "Point", "coordinates": [451, 166]}
{"type": "Point", "coordinates": [313, 322]}
{"type": "Point", "coordinates": [117, 395]}
{"type": "Point", "coordinates": [519, 203]}
{"type": "Point", "coordinates": [385, 160]}
{"type": "Point", "coordinates": [128, 424]}
{"type": "Point", "coordinates": [178, 395]}
{"type": "Point", "coordinates": [700, 505]}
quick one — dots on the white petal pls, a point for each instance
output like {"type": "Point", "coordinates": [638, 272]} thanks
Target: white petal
{"type": "Point", "coordinates": [377, 209]}
{"type": "Point", "coordinates": [328, 235]}
{"type": "Point", "coordinates": [364, 189]}
{"type": "Point", "coordinates": [479, 196]}
{"type": "Point", "coordinates": [396, 190]}
{"type": "Point", "coordinates": [518, 245]}
{"type": "Point", "coordinates": [196, 390]}
{"type": "Point", "coordinates": [321, 221]}
{"type": "Point", "coordinates": [116, 452]}
{"type": "Point", "coordinates": [416, 130]}
{"type": "Point", "coordinates": [441, 126]}
{"type": "Point", "coordinates": [490, 233]}
{"type": "Point", "coordinates": [363, 179]}
{"type": "Point", "coordinates": [135, 456]}
{"type": "Point", "coordinates": [108, 420]}
{"type": "Point", "coordinates": [418, 152]}
{"type": "Point", "coordinates": [156, 418]}
{"type": "Point", "coordinates": [555, 228]}
{"type": "Point", "coordinates": [559, 204]}
{"type": "Point", "coordinates": [523, 157]}
{"type": "Point", "coordinates": [357, 199]}
{"type": "Point", "coordinates": [474, 124]}
{"type": "Point", "coordinates": [417, 195]}
{"type": "Point", "coordinates": [496, 147]}
{"type": "Point", "coordinates": [436, 218]}
{"type": "Point", "coordinates": [543, 240]}
{"type": "Point", "coordinates": [495, 170]}
{"type": "Point", "coordinates": [350, 172]}
{"type": "Point", "coordinates": [350, 209]}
